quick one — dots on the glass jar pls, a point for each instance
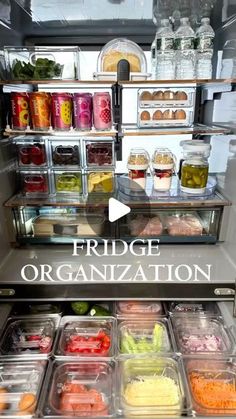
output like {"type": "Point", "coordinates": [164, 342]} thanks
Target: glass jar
{"type": "Point", "coordinates": [163, 164]}
{"type": "Point", "coordinates": [195, 167]}
{"type": "Point", "coordinates": [138, 164]}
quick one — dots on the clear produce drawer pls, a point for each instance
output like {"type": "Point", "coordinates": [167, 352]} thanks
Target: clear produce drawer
{"type": "Point", "coordinates": [60, 224]}
{"type": "Point", "coordinates": [172, 226]}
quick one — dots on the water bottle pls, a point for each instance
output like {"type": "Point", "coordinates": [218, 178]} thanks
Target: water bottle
{"type": "Point", "coordinates": [165, 53]}
{"type": "Point", "coordinates": [185, 54]}
{"type": "Point", "coordinates": [228, 70]}
{"type": "Point", "coordinates": [205, 47]}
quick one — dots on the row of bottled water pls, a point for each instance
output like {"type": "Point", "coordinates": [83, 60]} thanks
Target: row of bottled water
{"type": "Point", "coordinates": [183, 54]}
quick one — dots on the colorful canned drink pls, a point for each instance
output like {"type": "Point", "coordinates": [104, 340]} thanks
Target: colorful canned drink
{"type": "Point", "coordinates": [83, 111]}
{"type": "Point", "coordinates": [20, 110]}
{"type": "Point", "coordinates": [102, 111]}
{"type": "Point", "coordinates": [61, 111]}
{"type": "Point", "coordinates": [40, 110]}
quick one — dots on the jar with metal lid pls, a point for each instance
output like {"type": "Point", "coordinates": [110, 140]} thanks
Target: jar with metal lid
{"type": "Point", "coordinates": [138, 163]}
{"type": "Point", "coordinates": [195, 168]}
{"type": "Point", "coordinates": [163, 164]}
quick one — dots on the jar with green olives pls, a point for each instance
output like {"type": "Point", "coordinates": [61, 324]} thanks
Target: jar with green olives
{"type": "Point", "coordinates": [195, 168]}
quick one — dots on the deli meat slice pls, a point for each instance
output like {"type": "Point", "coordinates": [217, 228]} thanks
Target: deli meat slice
{"type": "Point", "coordinates": [145, 226]}
{"type": "Point", "coordinates": [186, 225]}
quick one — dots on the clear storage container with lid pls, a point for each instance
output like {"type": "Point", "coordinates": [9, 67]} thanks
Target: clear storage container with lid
{"type": "Point", "coordinates": [194, 172]}
{"type": "Point", "coordinates": [163, 164]}
{"type": "Point", "coordinates": [116, 50]}
{"type": "Point", "coordinates": [138, 163]}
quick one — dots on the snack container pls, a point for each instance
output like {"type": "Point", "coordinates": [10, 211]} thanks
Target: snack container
{"type": "Point", "coordinates": [79, 388]}
{"type": "Point", "coordinates": [212, 386]}
{"type": "Point", "coordinates": [42, 62]}
{"type": "Point", "coordinates": [144, 336]}
{"type": "Point", "coordinates": [202, 335]}
{"type": "Point", "coordinates": [165, 117]}
{"type": "Point", "coordinates": [68, 182]}
{"type": "Point", "coordinates": [26, 337]}
{"type": "Point", "coordinates": [177, 308]}
{"type": "Point", "coordinates": [151, 387]}
{"type": "Point", "coordinates": [161, 97]}
{"type": "Point", "coordinates": [99, 181]}
{"type": "Point", "coordinates": [139, 309]}
{"type": "Point", "coordinates": [163, 165]}
{"type": "Point", "coordinates": [65, 153]}
{"type": "Point", "coordinates": [99, 153]}
{"type": "Point", "coordinates": [20, 385]}
{"type": "Point", "coordinates": [84, 225]}
{"type": "Point", "coordinates": [35, 183]}
{"type": "Point", "coordinates": [138, 163]}
{"type": "Point", "coordinates": [31, 151]}
{"type": "Point", "coordinates": [83, 337]}
{"type": "Point", "coordinates": [119, 49]}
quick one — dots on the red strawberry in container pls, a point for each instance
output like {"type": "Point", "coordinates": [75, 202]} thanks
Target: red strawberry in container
{"type": "Point", "coordinates": [24, 156]}
{"type": "Point", "coordinates": [138, 164]}
{"type": "Point", "coordinates": [102, 111]}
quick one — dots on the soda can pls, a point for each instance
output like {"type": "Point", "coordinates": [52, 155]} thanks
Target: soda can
{"type": "Point", "coordinates": [61, 111]}
{"type": "Point", "coordinates": [40, 110]}
{"type": "Point", "coordinates": [83, 111]}
{"type": "Point", "coordinates": [20, 110]}
{"type": "Point", "coordinates": [102, 111]}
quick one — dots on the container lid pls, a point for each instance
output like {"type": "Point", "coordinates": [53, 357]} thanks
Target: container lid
{"type": "Point", "coordinates": [119, 49]}
{"type": "Point", "coordinates": [195, 146]}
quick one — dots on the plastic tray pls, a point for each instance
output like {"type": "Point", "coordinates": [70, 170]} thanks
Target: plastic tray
{"type": "Point", "coordinates": [86, 337]}
{"type": "Point", "coordinates": [159, 103]}
{"type": "Point", "coordinates": [202, 335]}
{"type": "Point", "coordinates": [81, 389]}
{"type": "Point", "coordinates": [20, 384]}
{"type": "Point", "coordinates": [139, 309]}
{"type": "Point", "coordinates": [141, 337]}
{"type": "Point", "coordinates": [28, 337]}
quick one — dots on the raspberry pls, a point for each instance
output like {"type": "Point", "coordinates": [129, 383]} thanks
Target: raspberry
{"type": "Point", "coordinates": [105, 116]}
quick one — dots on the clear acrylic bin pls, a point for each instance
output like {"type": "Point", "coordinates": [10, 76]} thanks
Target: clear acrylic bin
{"type": "Point", "coordinates": [35, 183]}
{"type": "Point", "coordinates": [28, 337]}
{"type": "Point", "coordinates": [202, 335]}
{"type": "Point", "coordinates": [100, 181]}
{"type": "Point", "coordinates": [42, 63]}
{"type": "Point", "coordinates": [20, 384]}
{"type": "Point", "coordinates": [195, 307]}
{"type": "Point", "coordinates": [167, 96]}
{"type": "Point", "coordinates": [99, 153]}
{"type": "Point", "coordinates": [212, 386]}
{"type": "Point", "coordinates": [165, 117]}
{"type": "Point", "coordinates": [31, 151]}
{"type": "Point", "coordinates": [139, 309]}
{"type": "Point", "coordinates": [65, 153]}
{"type": "Point", "coordinates": [152, 387]}
{"type": "Point", "coordinates": [68, 182]}
{"type": "Point", "coordinates": [144, 336]}
{"type": "Point", "coordinates": [81, 389]}
{"type": "Point", "coordinates": [86, 337]}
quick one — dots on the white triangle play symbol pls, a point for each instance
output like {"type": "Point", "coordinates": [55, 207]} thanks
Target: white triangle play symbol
{"type": "Point", "coordinates": [117, 210]}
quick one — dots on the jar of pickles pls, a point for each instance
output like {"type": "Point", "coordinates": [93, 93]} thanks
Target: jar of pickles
{"type": "Point", "coordinates": [163, 164]}
{"type": "Point", "coordinates": [195, 167]}
{"type": "Point", "coordinates": [138, 163]}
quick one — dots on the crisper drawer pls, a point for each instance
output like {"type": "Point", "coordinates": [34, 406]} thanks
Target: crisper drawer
{"type": "Point", "coordinates": [172, 226]}
{"type": "Point", "coordinates": [60, 224]}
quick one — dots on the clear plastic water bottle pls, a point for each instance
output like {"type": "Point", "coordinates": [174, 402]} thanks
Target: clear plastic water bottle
{"type": "Point", "coordinates": [228, 69]}
{"type": "Point", "coordinates": [205, 48]}
{"type": "Point", "coordinates": [165, 52]}
{"type": "Point", "coordinates": [185, 54]}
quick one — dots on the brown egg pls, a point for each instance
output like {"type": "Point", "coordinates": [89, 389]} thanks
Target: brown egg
{"type": "Point", "coordinates": [158, 115]}
{"type": "Point", "coordinates": [168, 114]}
{"type": "Point", "coordinates": [145, 116]}
{"type": "Point", "coordinates": [3, 399]}
{"type": "Point", "coordinates": [168, 95]}
{"type": "Point", "coordinates": [157, 95]}
{"type": "Point", "coordinates": [146, 96]}
{"type": "Point", "coordinates": [27, 402]}
{"type": "Point", "coordinates": [180, 114]}
{"type": "Point", "coordinates": [181, 96]}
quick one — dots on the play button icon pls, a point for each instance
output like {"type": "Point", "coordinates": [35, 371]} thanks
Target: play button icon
{"type": "Point", "coordinates": [117, 210]}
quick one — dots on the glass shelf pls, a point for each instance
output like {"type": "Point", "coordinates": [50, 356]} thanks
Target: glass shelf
{"type": "Point", "coordinates": [196, 129]}
{"type": "Point", "coordinates": [72, 133]}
